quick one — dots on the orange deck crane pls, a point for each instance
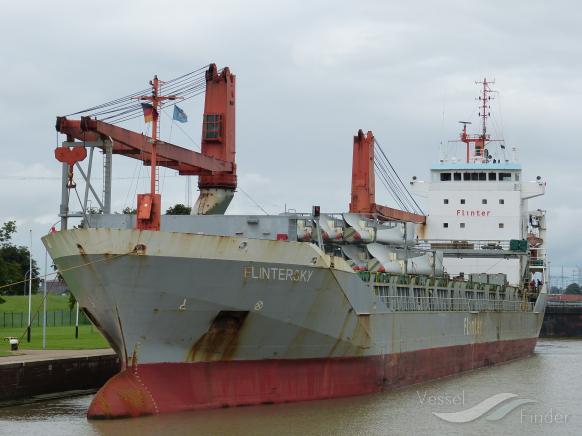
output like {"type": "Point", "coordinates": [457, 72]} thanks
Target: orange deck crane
{"type": "Point", "coordinates": [363, 199]}
{"type": "Point", "coordinates": [215, 164]}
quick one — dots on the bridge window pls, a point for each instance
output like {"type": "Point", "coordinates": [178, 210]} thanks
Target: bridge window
{"type": "Point", "coordinates": [446, 201]}
{"type": "Point", "coordinates": [462, 201]}
{"type": "Point", "coordinates": [445, 177]}
{"type": "Point", "coordinates": [466, 176]}
{"type": "Point", "coordinates": [211, 127]}
{"type": "Point", "coordinates": [474, 176]}
{"type": "Point", "coordinates": [446, 225]}
{"type": "Point", "coordinates": [484, 201]}
{"type": "Point", "coordinates": [462, 225]}
{"type": "Point", "coordinates": [503, 177]}
{"type": "Point", "coordinates": [501, 201]}
{"type": "Point", "coordinates": [492, 177]}
{"type": "Point", "coordinates": [457, 176]}
{"type": "Point", "coordinates": [501, 225]}
{"type": "Point", "coordinates": [482, 177]}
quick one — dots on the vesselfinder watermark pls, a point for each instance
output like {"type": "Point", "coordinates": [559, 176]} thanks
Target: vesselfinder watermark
{"type": "Point", "coordinates": [493, 408]}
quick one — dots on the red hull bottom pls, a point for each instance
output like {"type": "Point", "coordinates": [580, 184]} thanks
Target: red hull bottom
{"type": "Point", "coordinates": [172, 387]}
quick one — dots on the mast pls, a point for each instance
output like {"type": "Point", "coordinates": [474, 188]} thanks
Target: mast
{"type": "Point", "coordinates": [149, 205]}
{"type": "Point", "coordinates": [481, 140]}
{"type": "Point", "coordinates": [155, 99]}
{"type": "Point", "coordinates": [485, 106]}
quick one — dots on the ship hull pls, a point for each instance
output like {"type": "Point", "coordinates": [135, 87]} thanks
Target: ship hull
{"type": "Point", "coordinates": [174, 387]}
{"type": "Point", "coordinates": [208, 321]}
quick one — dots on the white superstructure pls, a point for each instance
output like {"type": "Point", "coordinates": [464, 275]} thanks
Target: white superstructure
{"type": "Point", "coordinates": [481, 203]}
{"type": "Point", "coordinates": [478, 203]}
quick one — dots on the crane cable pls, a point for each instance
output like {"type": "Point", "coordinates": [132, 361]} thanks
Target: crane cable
{"type": "Point", "coordinates": [398, 188]}
{"type": "Point", "coordinates": [135, 94]}
{"type": "Point", "coordinates": [126, 108]}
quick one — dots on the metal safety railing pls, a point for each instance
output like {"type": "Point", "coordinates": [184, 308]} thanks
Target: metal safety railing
{"type": "Point", "coordinates": [55, 318]}
{"type": "Point", "coordinates": [449, 244]}
{"type": "Point", "coordinates": [413, 304]}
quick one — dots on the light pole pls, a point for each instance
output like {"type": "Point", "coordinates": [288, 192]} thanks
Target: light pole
{"type": "Point", "coordinates": [29, 288]}
{"type": "Point", "coordinates": [24, 285]}
{"type": "Point", "coordinates": [44, 300]}
{"type": "Point", "coordinates": [77, 322]}
{"type": "Point", "coordinates": [46, 274]}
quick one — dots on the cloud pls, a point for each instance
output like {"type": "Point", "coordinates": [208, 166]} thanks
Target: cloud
{"type": "Point", "coordinates": [307, 79]}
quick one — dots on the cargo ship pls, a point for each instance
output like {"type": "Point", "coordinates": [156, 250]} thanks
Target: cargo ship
{"type": "Point", "coordinates": [211, 310]}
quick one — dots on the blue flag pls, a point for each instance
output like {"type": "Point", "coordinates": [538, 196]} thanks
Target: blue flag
{"type": "Point", "coordinates": [179, 115]}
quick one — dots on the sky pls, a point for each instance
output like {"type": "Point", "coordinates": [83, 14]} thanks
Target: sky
{"type": "Point", "coordinates": [309, 75]}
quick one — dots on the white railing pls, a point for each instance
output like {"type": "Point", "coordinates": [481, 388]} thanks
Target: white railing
{"type": "Point", "coordinates": [413, 304]}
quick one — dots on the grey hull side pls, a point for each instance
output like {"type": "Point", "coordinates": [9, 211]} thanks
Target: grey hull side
{"type": "Point", "coordinates": [272, 299]}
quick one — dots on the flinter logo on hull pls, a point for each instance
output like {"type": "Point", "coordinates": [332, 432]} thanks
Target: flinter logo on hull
{"type": "Point", "coordinates": [276, 273]}
{"type": "Point", "coordinates": [472, 327]}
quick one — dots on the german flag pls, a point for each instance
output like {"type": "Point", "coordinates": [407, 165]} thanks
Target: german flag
{"type": "Point", "coordinates": [148, 112]}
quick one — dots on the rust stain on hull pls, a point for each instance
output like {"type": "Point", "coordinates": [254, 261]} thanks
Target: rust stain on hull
{"type": "Point", "coordinates": [221, 339]}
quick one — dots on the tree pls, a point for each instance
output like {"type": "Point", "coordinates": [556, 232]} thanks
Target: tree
{"type": "Point", "coordinates": [179, 209]}
{"type": "Point", "coordinates": [6, 232]}
{"type": "Point", "coordinates": [573, 289]}
{"type": "Point", "coordinates": [129, 211]}
{"type": "Point", "coordinates": [14, 262]}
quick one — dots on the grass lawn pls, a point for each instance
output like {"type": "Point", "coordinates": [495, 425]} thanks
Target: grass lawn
{"type": "Point", "coordinates": [57, 338]}
{"type": "Point", "coordinates": [19, 303]}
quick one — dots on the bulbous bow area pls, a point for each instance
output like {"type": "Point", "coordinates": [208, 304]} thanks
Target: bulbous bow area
{"type": "Point", "coordinates": [123, 396]}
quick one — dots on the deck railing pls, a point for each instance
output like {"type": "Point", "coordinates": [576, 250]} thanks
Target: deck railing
{"type": "Point", "coordinates": [449, 244]}
{"type": "Point", "coordinates": [436, 304]}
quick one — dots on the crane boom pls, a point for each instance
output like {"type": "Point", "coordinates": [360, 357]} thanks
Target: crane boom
{"type": "Point", "coordinates": [215, 164]}
{"type": "Point", "coordinates": [139, 146]}
{"type": "Point", "coordinates": [363, 199]}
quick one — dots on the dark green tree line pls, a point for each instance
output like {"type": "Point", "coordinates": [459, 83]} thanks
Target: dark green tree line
{"type": "Point", "coordinates": [14, 263]}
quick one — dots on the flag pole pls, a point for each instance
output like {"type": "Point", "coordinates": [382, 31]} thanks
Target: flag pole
{"type": "Point", "coordinates": [29, 288]}
{"type": "Point", "coordinates": [44, 300]}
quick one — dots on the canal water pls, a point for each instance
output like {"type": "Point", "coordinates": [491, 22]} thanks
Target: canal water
{"type": "Point", "coordinates": [546, 398]}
